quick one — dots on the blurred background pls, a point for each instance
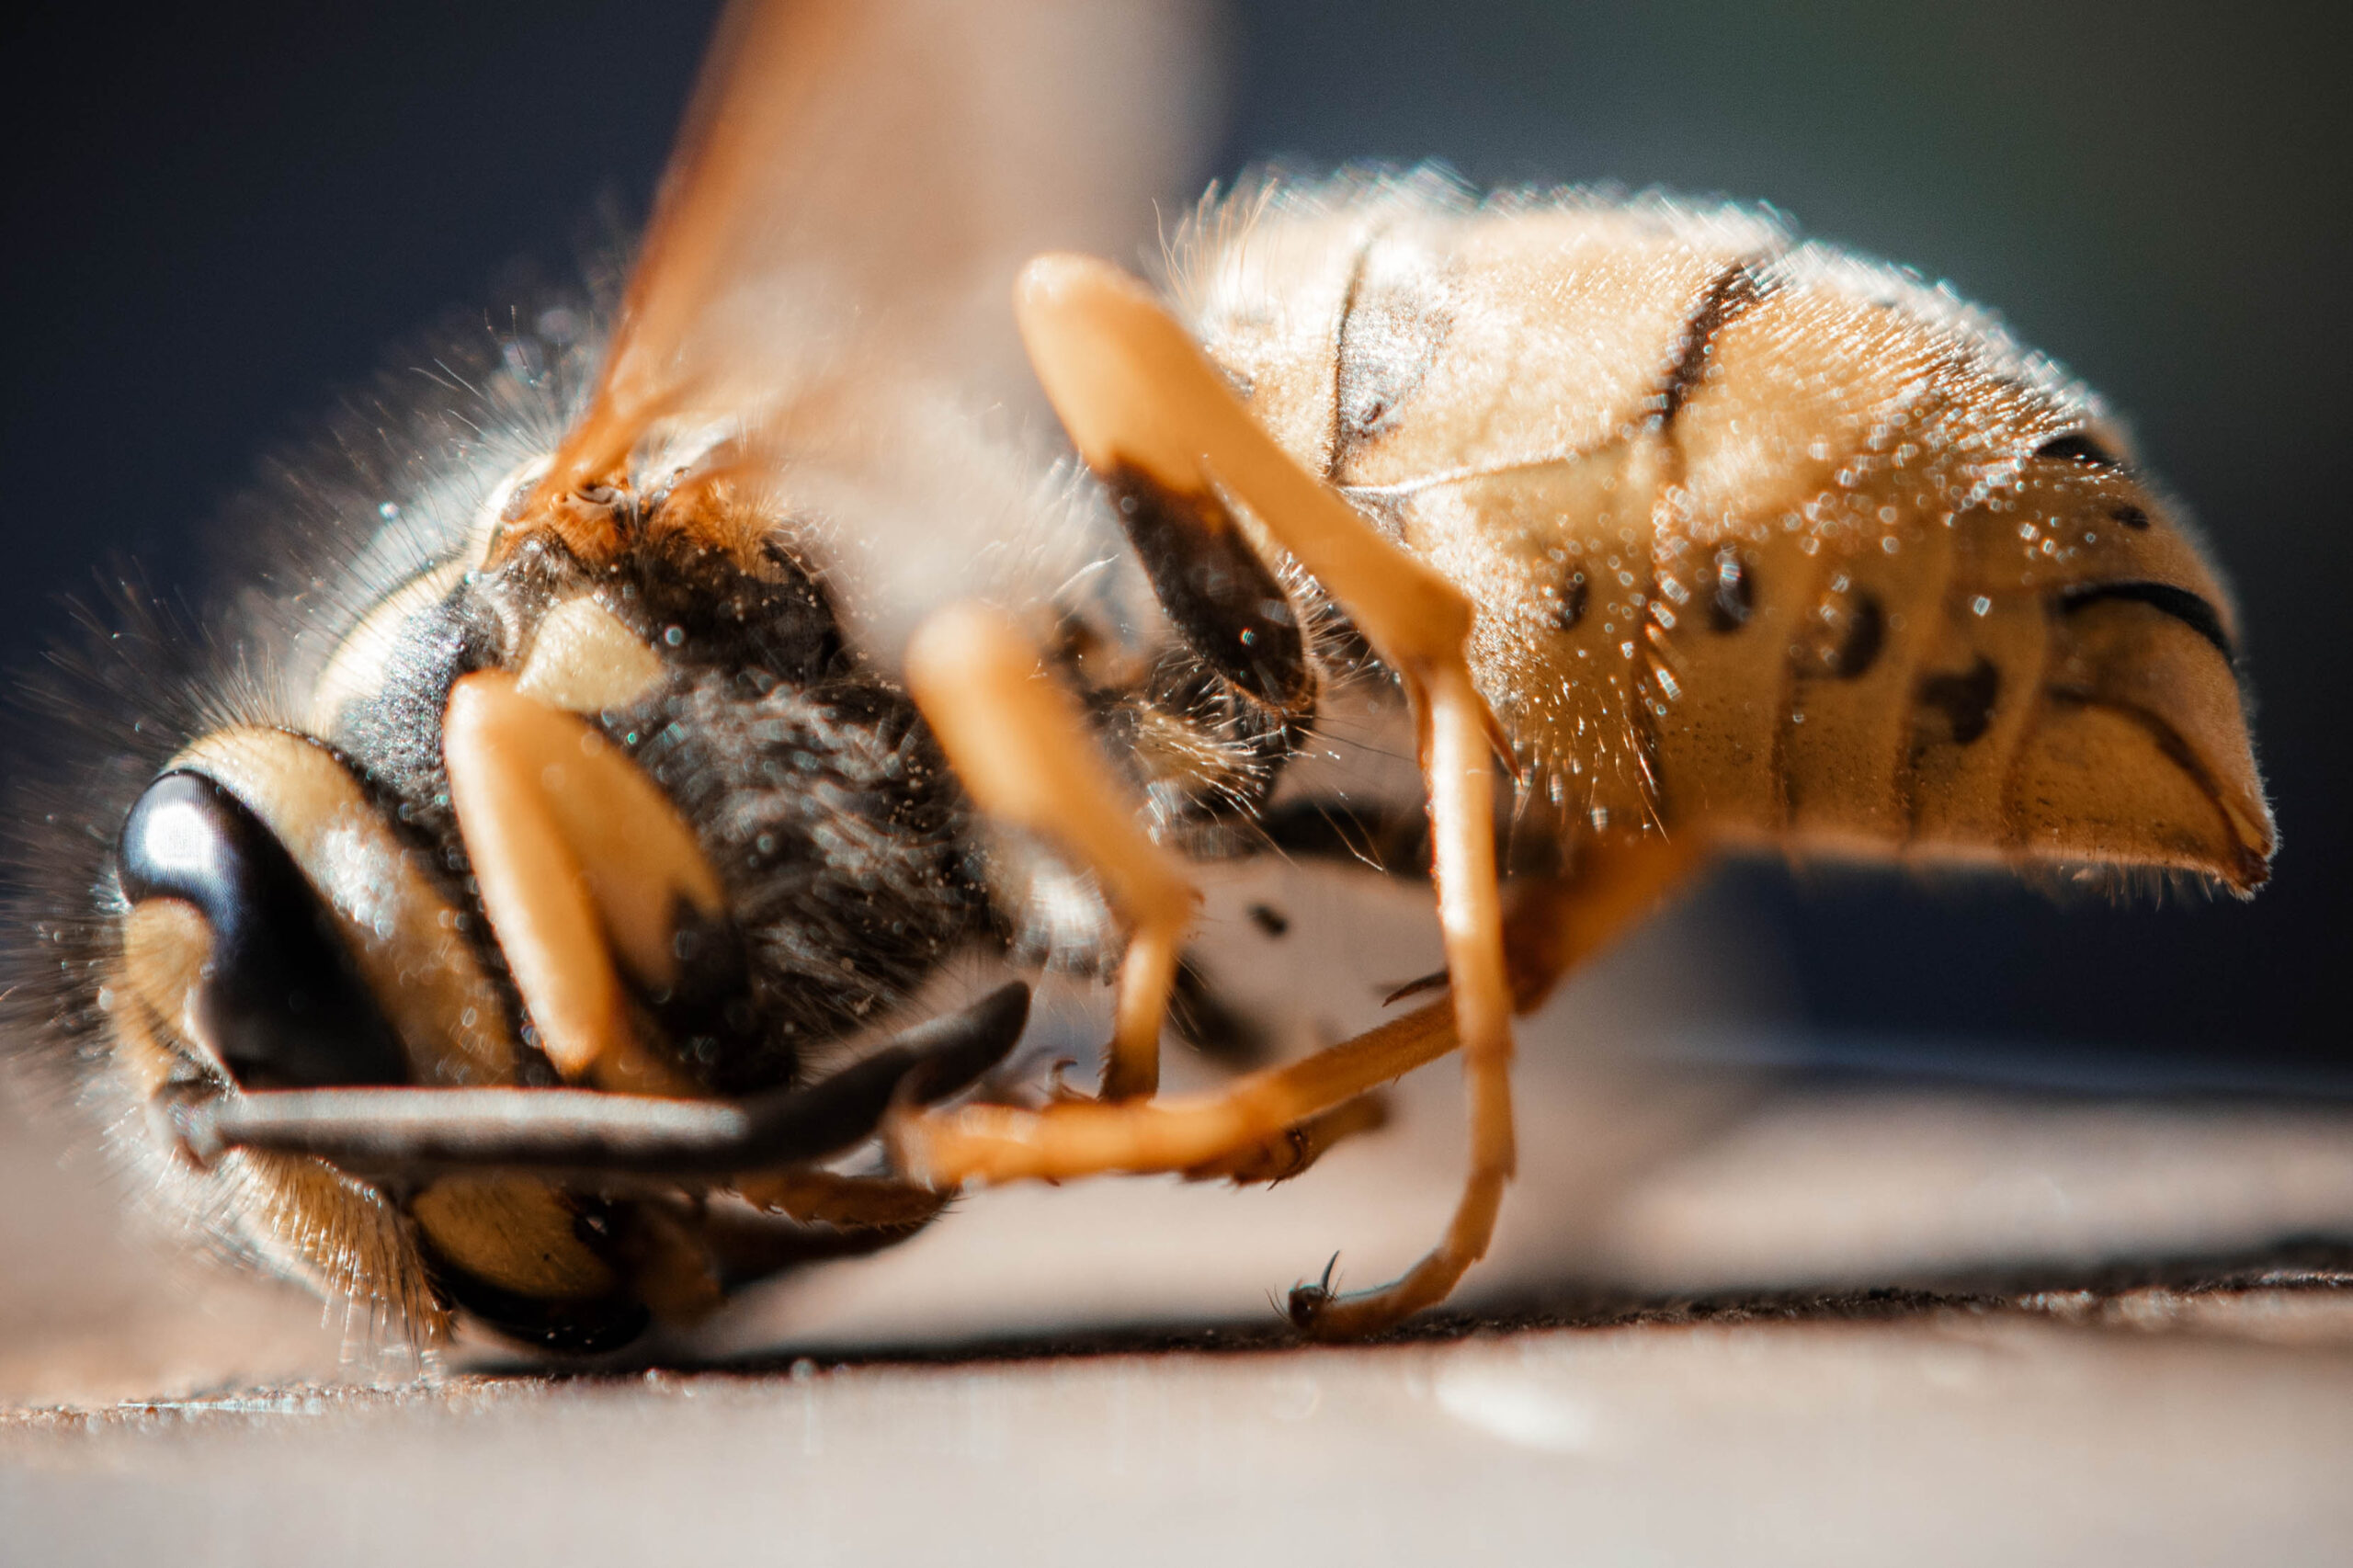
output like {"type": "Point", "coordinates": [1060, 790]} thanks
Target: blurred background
{"type": "Point", "coordinates": [218, 215]}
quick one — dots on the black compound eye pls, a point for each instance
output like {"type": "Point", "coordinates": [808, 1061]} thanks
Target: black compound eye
{"type": "Point", "coordinates": [281, 1004]}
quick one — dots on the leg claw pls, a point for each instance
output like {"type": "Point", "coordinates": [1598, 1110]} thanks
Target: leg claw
{"type": "Point", "coordinates": [1308, 1302]}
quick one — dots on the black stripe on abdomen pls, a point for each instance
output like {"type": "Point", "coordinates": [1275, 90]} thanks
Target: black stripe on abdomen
{"type": "Point", "coordinates": [1732, 291]}
{"type": "Point", "coordinates": [2183, 606]}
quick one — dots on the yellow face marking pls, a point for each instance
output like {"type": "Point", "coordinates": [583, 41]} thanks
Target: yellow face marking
{"type": "Point", "coordinates": [585, 661]}
{"type": "Point", "coordinates": [165, 945]}
{"type": "Point", "coordinates": [358, 665]}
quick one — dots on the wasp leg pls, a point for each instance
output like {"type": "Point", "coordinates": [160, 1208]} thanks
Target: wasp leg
{"type": "Point", "coordinates": [1139, 399]}
{"type": "Point", "coordinates": [1550, 926]}
{"type": "Point", "coordinates": [1173, 1133]}
{"type": "Point", "coordinates": [1023, 752]}
{"type": "Point", "coordinates": [599, 1135]}
{"type": "Point", "coordinates": [1554, 923]}
{"type": "Point", "coordinates": [1247, 1129]}
{"type": "Point", "coordinates": [1291, 1152]}
{"type": "Point", "coordinates": [846, 1202]}
{"type": "Point", "coordinates": [581, 860]}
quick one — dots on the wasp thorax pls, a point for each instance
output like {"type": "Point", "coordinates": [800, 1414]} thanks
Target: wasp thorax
{"type": "Point", "coordinates": [770, 845]}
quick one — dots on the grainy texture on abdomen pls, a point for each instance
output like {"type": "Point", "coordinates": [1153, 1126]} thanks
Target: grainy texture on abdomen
{"type": "Point", "coordinates": [1742, 520]}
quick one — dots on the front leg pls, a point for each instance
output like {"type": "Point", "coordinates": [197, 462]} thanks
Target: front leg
{"type": "Point", "coordinates": [1018, 744]}
{"type": "Point", "coordinates": [583, 867]}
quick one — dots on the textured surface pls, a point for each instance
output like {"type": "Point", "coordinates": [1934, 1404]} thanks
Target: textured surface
{"type": "Point", "coordinates": [2191, 1430]}
{"type": "Point", "coordinates": [1795, 1319]}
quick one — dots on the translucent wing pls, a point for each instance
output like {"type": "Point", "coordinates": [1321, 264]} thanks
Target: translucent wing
{"type": "Point", "coordinates": [856, 183]}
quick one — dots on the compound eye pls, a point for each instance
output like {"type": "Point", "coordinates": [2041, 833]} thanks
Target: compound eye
{"type": "Point", "coordinates": [280, 1002]}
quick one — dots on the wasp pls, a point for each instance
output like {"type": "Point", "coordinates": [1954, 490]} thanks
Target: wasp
{"type": "Point", "coordinates": [539, 949]}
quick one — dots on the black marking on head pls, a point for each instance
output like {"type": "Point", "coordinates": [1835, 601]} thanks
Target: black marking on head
{"type": "Point", "coordinates": [2079, 447]}
{"type": "Point", "coordinates": [2131, 516]}
{"type": "Point", "coordinates": [1859, 647]}
{"type": "Point", "coordinates": [281, 1004]}
{"type": "Point", "coordinates": [2164, 598]}
{"type": "Point", "coordinates": [1965, 699]}
{"type": "Point", "coordinates": [1573, 592]}
{"type": "Point", "coordinates": [1270, 920]}
{"type": "Point", "coordinates": [1223, 600]}
{"type": "Point", "coordinates": [1730, 292]}
{"type": "Point", "coordinates": [1734, 598]}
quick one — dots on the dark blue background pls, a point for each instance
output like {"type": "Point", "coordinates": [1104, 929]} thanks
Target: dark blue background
{"type": "Point", "coordinates": [217, 216]}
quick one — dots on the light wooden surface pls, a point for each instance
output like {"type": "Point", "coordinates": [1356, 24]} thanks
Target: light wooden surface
{"type": "Point", "coordinates": [2098, 1335]}
{"type": "Point", "coordinates": [1948, 1437]}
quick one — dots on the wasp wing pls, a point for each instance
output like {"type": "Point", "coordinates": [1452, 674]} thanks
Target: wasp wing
{"type": "Point", "coordinates": [856, 183]}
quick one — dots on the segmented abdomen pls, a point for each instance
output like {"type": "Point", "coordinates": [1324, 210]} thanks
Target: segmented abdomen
{"type": "Point", "coordinates": [1760, 536]}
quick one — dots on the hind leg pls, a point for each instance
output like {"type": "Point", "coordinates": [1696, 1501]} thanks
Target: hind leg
{"type": "Point", "coordinates": [1138, 398]}
{"type": "Point", "coordinates": [1146, 410]}
{"type": "Point", "coordinates": [1267, 1125]}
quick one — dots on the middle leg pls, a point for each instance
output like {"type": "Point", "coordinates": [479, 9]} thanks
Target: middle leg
{"type": "Point", "coordinates": [1019, 746]}
{"type": "Point", "coordinates": [1247, 1130]}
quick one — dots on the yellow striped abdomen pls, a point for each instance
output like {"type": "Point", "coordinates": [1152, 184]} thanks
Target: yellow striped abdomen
{"type": "Point", "coordinates": [1764, 541]}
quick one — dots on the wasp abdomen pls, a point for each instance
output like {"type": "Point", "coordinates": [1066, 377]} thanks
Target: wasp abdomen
{"type": "Point", "coordinates": [1762, 538]}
